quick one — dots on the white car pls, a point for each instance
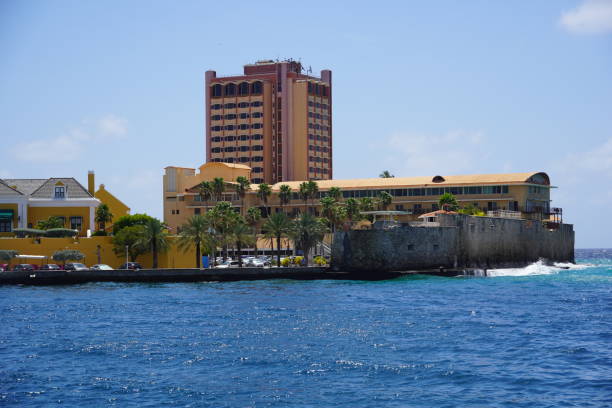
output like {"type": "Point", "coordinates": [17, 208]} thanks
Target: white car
{"type": "Point", "coordinates": [228, 264]}
{"type": "Point", "coordinates": [101, 267]}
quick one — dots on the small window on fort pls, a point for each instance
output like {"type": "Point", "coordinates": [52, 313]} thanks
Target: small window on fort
{"type": "Point", "coordinates": [436, 247]}
{"type": "Point", "coordinates": [410, 247]}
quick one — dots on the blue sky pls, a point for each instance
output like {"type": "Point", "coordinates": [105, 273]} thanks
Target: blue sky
{"type": "Point", "coordinates": [420, 88]}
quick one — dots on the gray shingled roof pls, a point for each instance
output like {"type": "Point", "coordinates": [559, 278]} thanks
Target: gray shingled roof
{"type": "Point", "coordinates": [74, 189]}
{"type": "Point", "coordinates": [25, 186]}
{"type": "Point", "coordinates": [7, 191]}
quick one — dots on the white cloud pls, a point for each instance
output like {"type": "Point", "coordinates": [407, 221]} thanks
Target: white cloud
{"type": "Point", "coordinates": [455, 152]}
{"type": "Point", "coordinates": [590, 17]}
{"type": "Point", "coordinates": [112, 125]}
{"type": "Point", "coordinates": [73, 143]}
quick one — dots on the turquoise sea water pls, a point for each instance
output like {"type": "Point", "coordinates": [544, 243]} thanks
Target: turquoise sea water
{"type": "Point", "coordinates": [532, 337]}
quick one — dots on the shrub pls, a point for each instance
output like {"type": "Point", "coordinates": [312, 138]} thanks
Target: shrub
{"type": "Point", "coordinates": [28, 232]}
{"type": "Point", "coordinates": [285, 262]}
{"type": "Point", "coordinates": [61, 232]}
{"type": "Point", "coordinates": [321, 261]}
{"type": "Point", "coordinates": [68, 255]}
{"type": "Point", "coordinates": [298, 260]}
{"type": "Point", "coordinates": [99, 234]}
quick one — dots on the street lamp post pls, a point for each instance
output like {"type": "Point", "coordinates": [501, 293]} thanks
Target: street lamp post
{"type": "Point", "coordinates": [127, 256]}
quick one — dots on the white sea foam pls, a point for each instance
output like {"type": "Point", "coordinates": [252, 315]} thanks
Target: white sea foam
{"type": "Point", "coordinates": [537, 268]}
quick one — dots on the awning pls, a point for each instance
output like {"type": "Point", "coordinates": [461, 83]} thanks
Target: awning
{"type": "Point", "coordinates": [6, 214]}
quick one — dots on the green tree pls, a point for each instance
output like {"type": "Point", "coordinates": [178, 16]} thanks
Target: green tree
{"type": "Point", "coordinates": [206, 192]}
{"type": "Point", "coordinates": [386, 174]}
{"type": "Point", "coordinates": [130, 221]}
{"type": "Point", "coordinates": [7, 255]}
{"type": "Point", "coordinates": [313, 189]}
{"type": "Point", "coordinates": [352, 209]}
{"type": "Point", "coordinates": [103, 216]}
{"type": "Point", "coordinates": [218, 185]}
{"type": "Point", "coordinates": [243, 185]}
{"type": "Point", "coordinates": [276, 227]}
{"type": "Point", "coordinates": [329, 208]}
{"type": "Point", "coordinates": [243, 236]}
{"type": "Point", "coordinates": [132, 238]}
{"type": "Point", "coordinates": [253, 216]}
{"type": "Point", "coordinates": [67, 255]}
{"type": "Point", "coordinates": [384, 199]}
{"type": "Point", "coordinates": [366, 204]}
{"type": "Point", "coordinates": [472, 210]}
{"type": "Point", "coordinates": [304, 192]}
{"type": "Point", "coordinates": [50, 223]}
{"type": "Point", "coordinates": [222, 219]}
{"type": "Point", "coordinates": [307, 231]}
{"type": "Point", "coordinates": [195, 233]}
{"type": "Point", "coordinates": [263, 193]}
{"type": "Point", "coordinates": [335, 193]}
{"type": "Point", "coordinates": [448, 202]}
{"type": "Point", "coordinates": [284, 195]}
{"type": "Point", "coordinates": [155, 237]}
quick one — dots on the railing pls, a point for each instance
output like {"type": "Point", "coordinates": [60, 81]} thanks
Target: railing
{"type": "Point", "coordinates": [505, 214]}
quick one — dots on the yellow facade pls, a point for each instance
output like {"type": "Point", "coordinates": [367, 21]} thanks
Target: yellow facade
{"type": "Point", "coordinates": [36, 214]}
{"type": "Point", "coordinates": [116, 206]}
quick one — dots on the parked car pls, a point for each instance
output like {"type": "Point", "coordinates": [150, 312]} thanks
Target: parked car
{"type": "Point", "coordinates": [23, 267]}
{"type": "Point", "coordinates": [131, 265]}
{"type": "Point", "coordinates": [74, 266]}
{"type": "Point", "coordinates": [50, 267]}
{"type": "Point", "coordinates": [4, 267]}
{"type": "Point", "coordinates": [101, 267]}
{"type": "Point", "coordinates": [228, 264]}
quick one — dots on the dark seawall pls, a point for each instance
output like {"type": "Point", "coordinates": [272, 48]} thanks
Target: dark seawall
{"type": "Point", "coordinates": [460, 241]}
{"type": "Point", "coordinates": [166, 275]}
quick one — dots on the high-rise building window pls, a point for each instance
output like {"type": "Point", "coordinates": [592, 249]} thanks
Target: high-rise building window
{"type": "Point", "coordinates": [230, 105]}
{"type": "Point", "coordinates": [243, 105]}
{"type": "Point", "coordinates": [230, 89]}
{"type": "Point", "coordinates": [256, 88]}
{"type": "Point", "coordinates": [243, 88]}
{"type": "Point", "coordinates": [216, 90]}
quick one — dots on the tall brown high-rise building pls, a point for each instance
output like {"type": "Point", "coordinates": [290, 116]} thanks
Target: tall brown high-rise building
{"type": "Point", "coordinates": [275, 119]}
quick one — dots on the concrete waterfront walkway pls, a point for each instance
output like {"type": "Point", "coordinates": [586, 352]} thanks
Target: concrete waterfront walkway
{"type": "Point", "coordinates": [62, 277]}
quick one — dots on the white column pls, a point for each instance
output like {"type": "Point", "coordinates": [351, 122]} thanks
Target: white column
{"type": "Point", "coordinates": [91, 219]}
{"type": "Point", "coordinates": [23, 214]}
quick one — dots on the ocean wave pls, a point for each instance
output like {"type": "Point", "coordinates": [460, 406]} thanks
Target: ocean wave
{"type": "Point", "coordinates": [537, 268]}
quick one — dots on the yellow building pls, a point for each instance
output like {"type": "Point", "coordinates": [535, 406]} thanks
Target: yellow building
{"type": "Point", "coordinates": [25, 202]}
{"type": "Point", "coordinates": [520, 195]}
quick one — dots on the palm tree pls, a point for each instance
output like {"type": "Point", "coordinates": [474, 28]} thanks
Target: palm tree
{"type": "Point", "coordinates": [328, 209]}
{"type": "Point", "coordinates": [206, 192]}
{"type": "Point", "coordinates": [103, 215]}
{"type": "Point", "coordinates": [366, 204]}
{"type": "Point", "coordinates": [155, 237]}
{"type": "Point", "coordinates": [335, 193]}
{"type": "Point", "coordinates": [284, 195]}
{"type": "Point", "coordinates": [384, 199]}
{"type": "Point", "coordinates": [307, 231]}
{"type": "Point", "coordinates": [352, 209]}
{"type": "Point", "coordinates": [313, 189]}
{"type": "Point", "coordinates": [218, 188]}
{"type": "Point", "coordinates": [222, 219]}
{"type": "Point", "coordinates": [195, 233]}
{"type": "Point", "coordinates": [241, 188]}
{"type": "Point", "coordinates": [277, 226]}
{"type": "Point", "coordinates": [304, 194]}
{"type": "Point", "coordinates": [386, 174]}
{"type": "Point", "coordinates": [252, 218]}
{"type": "Point", "coordinates": [242, 236]}
{"type": "Point", "coordinates": [263, 193]}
